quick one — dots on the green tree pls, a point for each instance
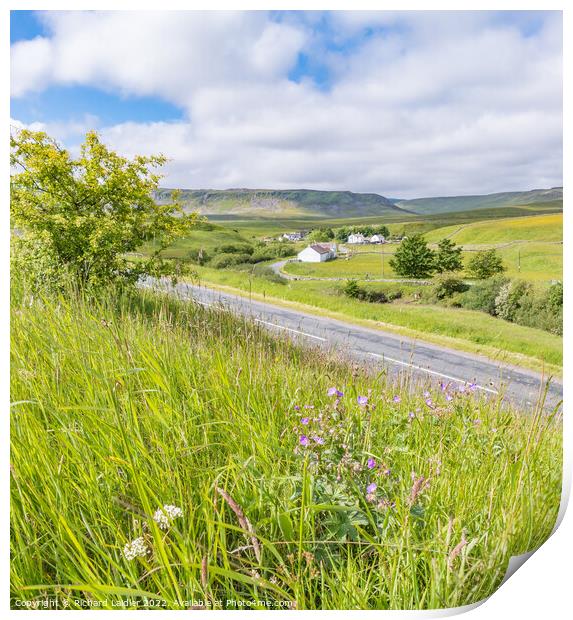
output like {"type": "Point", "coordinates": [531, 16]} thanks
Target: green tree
{"type": "Point", "coordinates": [448, 257]}
{"type": "Point", "coordinates": [382, 230]}
{"type": "Point", "coordinates": [413, 258]}
{"type": "Point", "coordinates": [90, 212]}
{"type": "Point", "coordinates": [485, 264]}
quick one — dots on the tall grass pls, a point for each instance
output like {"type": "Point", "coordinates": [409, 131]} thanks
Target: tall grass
{"type": "Point", "coordinates": [126, 404]}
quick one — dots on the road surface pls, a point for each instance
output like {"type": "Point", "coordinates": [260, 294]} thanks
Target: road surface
{"type": "Point", "coordinates": [379, 348]}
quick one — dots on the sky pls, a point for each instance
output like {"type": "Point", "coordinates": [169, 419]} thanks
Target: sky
{"type": "Point", "coordinates": [404, 104]}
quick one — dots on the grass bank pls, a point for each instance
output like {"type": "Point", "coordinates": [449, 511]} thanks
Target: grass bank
{"type": "Point", "coordinates": [167, 456]}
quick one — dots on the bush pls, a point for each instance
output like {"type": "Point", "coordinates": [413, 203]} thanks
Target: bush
{"type": "Point", "coordinates": [235, 248]}
{"type": "Point", "coordinates": [198, 257]}
{"type": "Point", "coordinates": [221, 261]}
{"type": "Point", "coordinates": [447, 285]}
{"type": "Point", "coordinates": [481, 296]}
{"type": "Point", "coordinates": [353, 290]}
{"type": "Point", "coordinates": [509, 299]}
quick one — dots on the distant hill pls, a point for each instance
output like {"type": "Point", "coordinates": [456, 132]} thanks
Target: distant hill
{"type": "Point", "coordinates": [447, 204]}
{"type": "Point", "coordinates": [269, 203]}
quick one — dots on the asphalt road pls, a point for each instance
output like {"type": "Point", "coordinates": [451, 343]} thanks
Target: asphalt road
{"type": "Point", "coordinates": [378, 348]}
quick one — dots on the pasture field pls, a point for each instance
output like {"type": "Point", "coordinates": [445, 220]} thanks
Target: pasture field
{"type": "Point", "coordinates": [492, 232]}
{"type": "Point", "coordinates": [202, 238]}
{"type": "Point", "coordinates": [468, 330]}
{"type": "Point", "coordinates": [397, 223]}
{"type": "Point", "coordinates": [161, 457]}
{"type": "Point", "coordinates": [539, 262]}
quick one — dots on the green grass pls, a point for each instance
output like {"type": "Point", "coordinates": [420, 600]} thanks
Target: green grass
{"type": "Point", "coordinates": [534, 261]}
{"type": "Point", "coordinates": [127, 403]}
{"type": "Point", "coordinates": [491, 232]}
{"type": "Point", "coordinates": [256, 226]}
{"type": "Point", "coordinates": [468, 330]}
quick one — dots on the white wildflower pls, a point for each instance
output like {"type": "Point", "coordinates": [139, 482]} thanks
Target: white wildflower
{"type": "Point", "coordinates": [164, 516]}
{"type": "Point", "coordinates": [136, 548]}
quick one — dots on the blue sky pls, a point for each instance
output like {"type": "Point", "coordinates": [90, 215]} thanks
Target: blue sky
{"type": "Point", "coordinates": [404, 104]}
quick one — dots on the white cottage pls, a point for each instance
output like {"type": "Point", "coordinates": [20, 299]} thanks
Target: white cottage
{"type": "Point", "coordinates": [316, 254]}
{"type": "Point", "coordinates": [357, 238]}
{"type": "Point", "coordinates": [377, 239]}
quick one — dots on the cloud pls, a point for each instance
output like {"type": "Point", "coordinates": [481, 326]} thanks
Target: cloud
{"type": "Point", "coordinates": [417, 103]}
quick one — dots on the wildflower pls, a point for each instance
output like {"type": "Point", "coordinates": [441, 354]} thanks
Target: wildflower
{"type": "Point", "coordinates": [135, 549]}
{"type": "Point", "coordinates": [462, 388]}
{"type": "Point", "coordinates": [449, 397]}
{"type": "Point", "coordinates": [318, 440]}
{"type": "Point", "coordinates": [303, 440]}
{"type": "Point", "coordinates": [335, 392]}
{"type": "Point", "coordinates": [429, 402]}
{"type": "Point", "coordinates": [164, 516]}
{"type": "Point", "coordinates": [397, 399]}
{"type": "Point", "coordinates": [443, 386]}
{"type": "Point", "coordinates": [411, 416]}
{"type": "Point", "coordinates": [304, 421]}
{"type": "Point", "coordinates": [371, 488]}
{"type": "Point", "coordinates": [297, 408]}
{"type": "Point", "coordinates": [426, 394]}
{"type": "Point", "coordinates": [309, 406]}
{"type": "Point", "coordinates": [362, 400]}
{"type": "Point", "coordinates": [371, 463]}
{"type": "Point", "coordinates": [472, 387]}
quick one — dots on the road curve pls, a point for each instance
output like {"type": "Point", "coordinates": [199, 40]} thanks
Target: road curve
{"type": "Point", "coordinates": [379, 348]}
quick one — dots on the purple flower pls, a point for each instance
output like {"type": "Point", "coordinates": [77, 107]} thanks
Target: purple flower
{"type": "Point", "coordinates": [362, 400]}
{"type": "Point", "coordinates": [309, 406]}
{"type": "Point", "coordinates": [335, 392]}
{"type": "Point", "coordinates": [296, 408]}
{"type": "Point", "coordinates": [318, 440]}
{"type": "Point", "coordinates": [426, 394]}
{"type": "Point", "coordinates": [371, 488]}
{"type": "Point", "coordinates": [449, 397]}
{"type": "Point", "coordinates": [371, 463]}
{"type": "Point", "coordinates": [429, 402]}
{"type": "Point", "coordinates": [397, 399]}
{"type": "Point", "coordinates": [443, 386]}
{"type": "Point", "coordinates": [303, 440]}
{"type": "Point", "coordinates": [304, 420]}
{"type": "Point", "coordinates": [462, 388]}
{"type": "Point", "coordinates": [472, 387]}
{"type": "Point", "coordinates": [411, 415]}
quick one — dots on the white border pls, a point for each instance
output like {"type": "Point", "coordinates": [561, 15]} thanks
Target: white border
{"type": "Point", "coordinates": [539, 588]}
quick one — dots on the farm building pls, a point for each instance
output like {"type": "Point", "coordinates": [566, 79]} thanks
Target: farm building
{"type": "Point", "coordinates": [294, 236]}
{"type": "Point", "coordinates": [317, 253]}
{"type": "Point", "coordinates": [357, 238]}
{"type": "Point", "coordinates": [377, 239]}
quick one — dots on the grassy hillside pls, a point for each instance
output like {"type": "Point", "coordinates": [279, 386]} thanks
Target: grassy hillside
{"type": "Point", "coordinates": [274, 491]}
{"type": "Point", "coordinates": [447, 204]}
{"type": "Point", "coordinates": [534, 228]}
{"type": "Point", "coordinates": [282, 203]}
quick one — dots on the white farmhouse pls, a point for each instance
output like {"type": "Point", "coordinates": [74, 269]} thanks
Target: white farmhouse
{"type": "Point", "coordinates": [377, 239]}
{"type": "Point", "coordinates": [316, 254]}
{"type": "Point", "coordinates": [357, 238]}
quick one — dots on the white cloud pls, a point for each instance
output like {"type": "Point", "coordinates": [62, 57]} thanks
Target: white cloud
{"type": "Point", "coordinates": [432, 104]}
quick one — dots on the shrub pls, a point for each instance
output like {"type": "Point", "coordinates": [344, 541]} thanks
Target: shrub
{"type": "Point", "coordinates": [221, 261]}
{"type": "Point", "coordinates": [353, 290]}
{"type": "Point", "coordinates": [481, 296]}
{"type": "Point", "coordinates": [235, 248]}
{"type": "Point", "coordinates": [198, 257]}
{"type": "Point", "coordinates": [447, 285]}
{"type": "Point", "coordinates": [509, 299]}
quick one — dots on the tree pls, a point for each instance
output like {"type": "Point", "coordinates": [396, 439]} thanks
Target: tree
{"type": "Point", "coordinates": [89, 212]}
{"type": "Point", "coordinates": [321, 234]}
{"type": "Point", "coordinates": [413, 258]}
{"type": "Point", "coordinates": [382, 230]}
{"type": "Point", "coordinates": [448, 256]}
{"type": "Point", "coordinates": [485, 264]}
